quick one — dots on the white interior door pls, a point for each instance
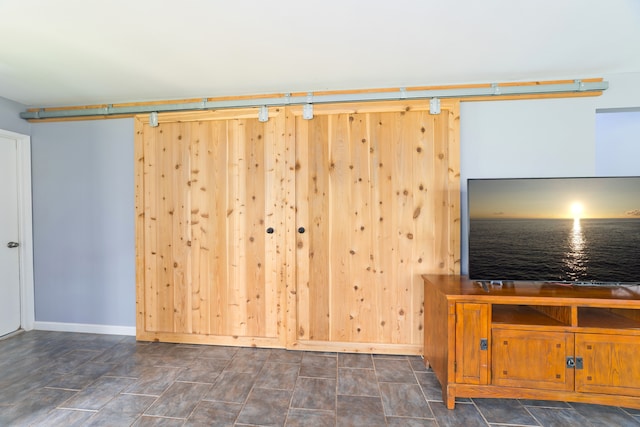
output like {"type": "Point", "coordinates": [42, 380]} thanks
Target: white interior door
{"type": "Point", "coordinates": [9, 252]}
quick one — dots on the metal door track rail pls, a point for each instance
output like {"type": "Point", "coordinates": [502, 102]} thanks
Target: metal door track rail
{"type": "Point", "coordinates": [286, 99]}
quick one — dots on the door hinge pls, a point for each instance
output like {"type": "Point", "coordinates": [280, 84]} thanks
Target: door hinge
{"type": "Point", "coordinates": [455, 366]}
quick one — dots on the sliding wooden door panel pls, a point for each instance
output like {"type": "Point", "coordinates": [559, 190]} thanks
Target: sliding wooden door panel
{"type": "Point", "coordinates": [376, 190]}
{"type": "Point", "coordinates": [297, 233]}
{"type": "Point", "coordinates": [209, 270]}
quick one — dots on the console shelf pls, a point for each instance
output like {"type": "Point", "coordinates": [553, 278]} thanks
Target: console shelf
{"type": "Point", "coordinates": [523, 315]}
{"type": "Point", "coordinates": [533, 340]}
{"type": "Point", "coordinates": [589, 317]}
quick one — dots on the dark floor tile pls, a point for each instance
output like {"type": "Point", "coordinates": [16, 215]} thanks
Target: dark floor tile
{"type": "Point", "coordinates": [94, 342]}
{"type": "Point", "coordinates": [321, 353]}
{"type": "Point", "coordinates": [155, 348]}
{"type": "Point", "coordinates": [394, 370]}
{"type": "Point", "coordinates": [605, 416]}
{"type": "Point", "coordinates": [355, 360]}
{"type": "Point", "coordinates": [464, 414]}
{"type": "Point", "coordinates": [253, 353]}
{"type": "Point", "coordinates": [16, 368]}
{"type": "Point", "coordinates": [265, 407]}
{"type": "Point", "coordinates": [252, 363]}
{"type": "Point", "coordinates": [123, 410]}
{"type": "Point", "coordinates": [186, 351]}
{"type": "Point", "coordinates": [179, 400]}
{"type": "Point", "coordinates": [154, 380]}
{"type": "Point", "coordinates": [308, 417]}
{"type": "Point", "coordinates": [631, 411]}
{"type": "Point", "coordinates": [34, 405]}
{"type": "Point", "coordinates": [71, 382]}
{"type": "Point", "coordinates": [15, 391]}
{"type": "Point", "coordinates": [70, 361]}
{"type": "Point", "coordinates": [417, 364]}
{"type": "Point", "coordinates": [410, 422]}
{"type": "Point", "coordinates": [63, 417]}
{"type": "Point", "coordinates": [93, 369]}
{"type": "Point", "coordinates": [46, 380]}
{"type": "Point", "coordinates": [318, 366]}
{"type": "Point", "coordinates": [404, 400]}
{"type": "Point", "coordinates": [278, 376]}
{"type": "Point", "coordinates": [214, 414]}
{"type": "Point", "coordinates": [231, 387]}
{"type": "Point", "coordinates": [360, 411]}
{"type": "Point", "coordinates": [203, 370]}
{"type": "Point", "coordinates": [98, 394]}
{"type": "Point", "coordinates": [358, 382]}
{"type": "Point", "coordinates": [544, 403]}
{"type": "Point", "coordinates": [557, 417]}
{"type": "Point", "coordinates": [430, 385]}
{"type": "Point", "coordinates": [147, 421]}
{"type": "Point", "coordinates": [218, 352]}
{"type": "Point", "coordinates": [169, 361]}
{"type": "Point", "coordinates": [134, 367]}
{"type": "Point", "coordinates": [390, 356]}
{"type": "Point", "coordinates": [314, 393]}
{"type": "Point", "coordinates": [285, 356]}
{"type": "Point", "coordinates": [505, 411]}
{"type": "Point", "coordinates": [117, 354]}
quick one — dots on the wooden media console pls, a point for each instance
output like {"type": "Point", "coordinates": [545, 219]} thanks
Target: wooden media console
{"type": "Point", "coordinates": [533, 341]}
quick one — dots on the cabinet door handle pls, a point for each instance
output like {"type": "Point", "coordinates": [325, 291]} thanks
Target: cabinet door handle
{"type": "Point", "coordinates": [301, 230]}
{"type": "Point", "coordinates": [270, 230]}
{"type": "Point", "coordinates": [571, 363]}
{"type": "Point", "coordinates": [484, 344]}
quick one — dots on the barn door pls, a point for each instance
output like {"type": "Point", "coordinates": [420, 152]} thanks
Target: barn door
{"type": "Point", "coordinates": [376, 202]}
{"type": "Point", "coordinates": [210, 228]}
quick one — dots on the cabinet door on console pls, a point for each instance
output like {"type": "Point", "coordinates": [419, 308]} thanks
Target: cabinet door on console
{"type": "Point", "coordinates": [610, 364]}
{"type": "Point", "coordinates": [472, 333]}
{"type": "Point", "coordinates": [532, 359]}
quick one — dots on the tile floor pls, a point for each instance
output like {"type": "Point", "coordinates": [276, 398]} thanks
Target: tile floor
{"type": "Point", "coordinates": [68, 379]}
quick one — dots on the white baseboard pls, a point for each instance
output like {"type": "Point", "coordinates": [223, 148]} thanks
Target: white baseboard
{"type": "Point", "coordinates": [85, 328]}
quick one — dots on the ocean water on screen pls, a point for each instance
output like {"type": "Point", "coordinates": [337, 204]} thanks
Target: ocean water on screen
{"type": "Point", "coordinates": [601, 250]}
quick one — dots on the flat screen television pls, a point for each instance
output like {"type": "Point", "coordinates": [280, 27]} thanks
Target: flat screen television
{"type": "Point", "coordinates": [570, 230]}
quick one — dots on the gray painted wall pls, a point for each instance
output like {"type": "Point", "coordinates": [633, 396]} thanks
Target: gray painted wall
{"type": "Point", "coordinates": [10, 117]}
{"type": "Point", "coordinates": [83, 189]}
{"type": "Point", "coordinates": [83, 222]}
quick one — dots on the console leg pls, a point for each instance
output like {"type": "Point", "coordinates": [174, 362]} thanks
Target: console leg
{"type": "Point", "coordinates": [449, 398]}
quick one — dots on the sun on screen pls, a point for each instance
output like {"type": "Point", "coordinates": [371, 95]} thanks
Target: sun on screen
{"type": "Point", "coordinates": [576, 210]}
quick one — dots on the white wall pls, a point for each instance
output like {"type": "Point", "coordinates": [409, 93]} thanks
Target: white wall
{"type": "Point", "coordinates": [545, 137]}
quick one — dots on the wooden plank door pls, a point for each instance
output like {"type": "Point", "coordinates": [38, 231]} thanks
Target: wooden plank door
{"type": "Point", "coordinates": [208, 194]}
{"type": "Point", "coordinates": [377, 194]}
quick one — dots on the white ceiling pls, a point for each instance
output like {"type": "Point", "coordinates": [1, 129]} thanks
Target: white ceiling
{"type": "Point", "coordinates": [80, 52]}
